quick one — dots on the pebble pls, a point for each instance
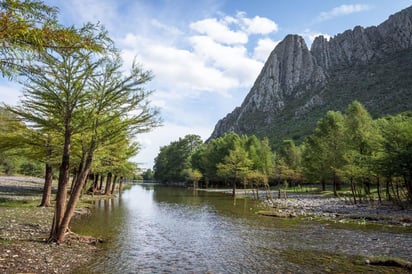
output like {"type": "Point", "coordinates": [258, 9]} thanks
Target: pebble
{"type": "Point", "coordinates": [337, 208]}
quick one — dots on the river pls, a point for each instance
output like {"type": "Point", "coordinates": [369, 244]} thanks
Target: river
{"type": "Point", "coordinates": [158, 229]}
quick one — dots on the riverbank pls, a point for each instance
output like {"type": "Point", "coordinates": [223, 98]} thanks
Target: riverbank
{"type": "Point", "coordinates": [24, 228]}
{"type": "Point", "coordinates": [318, 207]}
{"type": "Point", "coordinates": [337, 209]}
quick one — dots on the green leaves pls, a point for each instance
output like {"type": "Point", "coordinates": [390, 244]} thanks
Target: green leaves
{"type": "Point", "coordinates": [28, 29]}
{"type": "Point", "coordinates": [173, 163]}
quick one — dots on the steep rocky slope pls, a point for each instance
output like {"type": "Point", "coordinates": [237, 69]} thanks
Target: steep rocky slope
{"type": "Point", "coordinates": [297, 86]}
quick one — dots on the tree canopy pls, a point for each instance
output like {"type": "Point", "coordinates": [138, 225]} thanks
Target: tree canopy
{"type": "Point", "coordinates": [30, 27]}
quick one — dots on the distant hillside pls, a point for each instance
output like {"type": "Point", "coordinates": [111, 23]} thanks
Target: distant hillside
{"type": "Point", "coordinates": [297, 86]}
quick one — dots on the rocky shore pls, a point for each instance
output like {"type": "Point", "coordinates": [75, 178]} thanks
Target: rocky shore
{"type": "Point", "coordinates": [336, 209]}
{"type": "Point", "coordinates": [24, 228]}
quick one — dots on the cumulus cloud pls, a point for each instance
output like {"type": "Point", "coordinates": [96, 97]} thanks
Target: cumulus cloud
{"type": "Point", "coordinates": [264, 48]}
{"type": "Point", "coordinates": [234, 30]}
{"type": "Point", "coordinates": [233, 61]}
{"type": "Point", "coordinates": [219, 31]}
{"type": "Point", "coordinates": [257, 24]}
{"type": "Point", "coordinates": [176, 68]}
{"type": "Point", "coordinates": [342, 10]}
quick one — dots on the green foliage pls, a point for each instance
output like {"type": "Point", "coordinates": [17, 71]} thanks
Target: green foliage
{"type": "Point", "coordinates": [230, 158]}
{"type": "Point", "coordinates": [29, 28]}
{"type": "Point", "coordinates": [235, 165]}
{"type": "Point", "coordinates": [173, 160]}
{"type": "Point", "coordinates": [357, 149]}
{"type": "Point", "coordinates": [323, 155]}
{"type": "Point", "coordinates": [148, 175]}
{"type": "Point", "coordinates": [395, 157]}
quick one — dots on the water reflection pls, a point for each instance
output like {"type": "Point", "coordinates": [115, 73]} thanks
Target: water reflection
{"type": "Point", "coordinates": [154, 229]}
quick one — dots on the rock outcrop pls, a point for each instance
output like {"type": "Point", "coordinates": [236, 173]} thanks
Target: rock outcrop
{"type": "Point", "coordinates": [297, 86]}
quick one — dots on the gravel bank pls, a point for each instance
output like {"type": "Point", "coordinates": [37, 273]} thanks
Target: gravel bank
{"type": "Point", "coordinates": [337, 208]}
{"type": "Point", "coordinates": [25, 227]}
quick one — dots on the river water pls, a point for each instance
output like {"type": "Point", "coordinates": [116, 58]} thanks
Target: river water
{"type": "Point", "coordinates": [158, 229]}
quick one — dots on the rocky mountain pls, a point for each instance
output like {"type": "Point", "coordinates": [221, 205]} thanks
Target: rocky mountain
{"type": "Point", "coordinates": [297, 85]}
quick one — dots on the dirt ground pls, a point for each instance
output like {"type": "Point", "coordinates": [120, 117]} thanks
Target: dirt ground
{"type": "Point", "coordinates": [24, 229]}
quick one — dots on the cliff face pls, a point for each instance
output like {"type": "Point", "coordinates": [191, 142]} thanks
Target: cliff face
{"type": "Point", "coordinates": [297, 86]}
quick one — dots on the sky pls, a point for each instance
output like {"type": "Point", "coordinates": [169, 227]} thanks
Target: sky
{"type": "Point", "coordinates": [206, 54]}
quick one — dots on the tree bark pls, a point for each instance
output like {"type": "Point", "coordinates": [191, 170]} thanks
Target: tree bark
{"type": "Point", "coordinates": [101, 182]}
{"type": "Point", "coordinates": [335, 185]}
{"type": "Point", "coordinates": [74, 198]}
{"type": "Point", "coordinates": [95, 182]}
{"type": "Point", "coordinates": [108, 184]}
{"type": "Point", "coordinates": [48, 182]}
{"type": "Point", "coordinates": [352, 187]}
{"type": "Point", "coordinates": [61, 195]}
{"type": "Point", "coordinates": [378, 186]}
{"type": "Point", "coordinates": [113, 184]}
{"type": "Point", "coordinates": [120, 185]}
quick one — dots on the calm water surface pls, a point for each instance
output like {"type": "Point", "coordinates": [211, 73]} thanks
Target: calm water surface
{"type": "Point", "coordinates": [157, 229]}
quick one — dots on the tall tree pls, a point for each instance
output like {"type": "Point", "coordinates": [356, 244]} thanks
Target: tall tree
{"type": "Point", "coordinates": [361, 140]}
{"type": "Point", "coordinates": [324, 149]}
{"type": "Point", "coordinates": [235, 166]}
{"type": "Point", "coordinates": [174, 160]}
{"type": "Point", "coordinates": [395, 159]}
{"type": "Point", "coordinates": [117, 107]}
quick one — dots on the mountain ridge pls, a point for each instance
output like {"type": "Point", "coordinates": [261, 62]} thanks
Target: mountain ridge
{"type": "Point", "coordinates": [298, 85]}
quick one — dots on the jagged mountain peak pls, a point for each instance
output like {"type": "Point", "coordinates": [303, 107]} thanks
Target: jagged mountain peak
{"type": "Point", "coordinates": [296, 86]}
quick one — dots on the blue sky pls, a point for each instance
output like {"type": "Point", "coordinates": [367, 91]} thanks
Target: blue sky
{"type": "Point", "coordinates": [206, 54]}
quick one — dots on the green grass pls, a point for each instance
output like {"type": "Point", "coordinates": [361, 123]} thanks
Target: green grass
{"type": "Point", "coordinates": [5, 202]}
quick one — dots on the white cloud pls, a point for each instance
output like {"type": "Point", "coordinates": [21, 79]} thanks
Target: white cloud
{"type": "Point", "coordinates": [342, 10]}
{"type": "Point", "coordinates": [258, 25]}
{"type": "Point", "coordinates": [264, 48]}
{"type": "Point", "coordinates": [233, 61]}
{"type": "Point", "coordinates": [219, 31]}
{"type": "Point", "coordinates": [176, 68]}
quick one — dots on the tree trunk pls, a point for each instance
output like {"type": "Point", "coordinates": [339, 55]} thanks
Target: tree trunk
{"type": "Point", "coordinates": [101, 182]}
{"type": "Point", "coordinates": [408, 186]}
{"type": "Point", "coordinates": [388, 192]}
{"type": "Point", "coordinates": [352, 187]}
{"type": "Point", "coordinates": [61, 195]}
{"type": "Point", "coordinates": [95, 182]}
{"type": "Point", "coordinates": [323, 185]}
{"type": "Point", "coordinates": [74, 198]}
{"type": "Point", "coordinates": [108, 184]}
{"type": "Point", "coordinates": [113, 184]}
{"type": "Point", "coordinates": [120, 185]}
{"type": "Point", "coordinates": [378, 187]}
{"type": "Point", "coordinates": [334, 186]}
{"type": "Point", "coordinates": [73, 179]}
{"type": "Point", "coordinates": [48, 182]}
